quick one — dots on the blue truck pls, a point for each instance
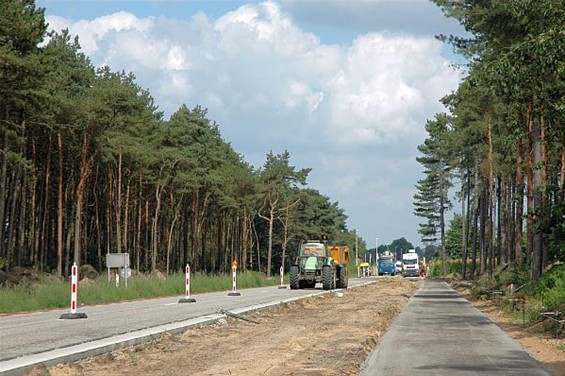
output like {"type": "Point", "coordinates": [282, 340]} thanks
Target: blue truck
{"type": "Point", "coordinates": [387, 263]}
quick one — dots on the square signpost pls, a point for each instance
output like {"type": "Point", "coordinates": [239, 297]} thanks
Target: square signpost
{"type": "Point", "coordinates": [121, 262]}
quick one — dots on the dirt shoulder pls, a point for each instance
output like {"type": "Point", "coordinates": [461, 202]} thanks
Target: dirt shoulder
{"type": "Point", "coordinates": [326, 335]}
{"type": "Point", "coordinates": [329, 335]}
{"type": "Point", "coordinates": [541, 344]}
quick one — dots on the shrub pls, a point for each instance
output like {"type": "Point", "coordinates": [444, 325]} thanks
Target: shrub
{"type": "Point", "coordinates": [551, 288]}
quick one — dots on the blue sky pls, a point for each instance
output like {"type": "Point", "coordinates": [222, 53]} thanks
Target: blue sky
{"type": "Point", "coordinates": [345, 86]}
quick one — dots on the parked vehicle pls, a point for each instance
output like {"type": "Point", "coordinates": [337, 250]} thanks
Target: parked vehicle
{"type": "Point", "coordinates": [386, 264]}
{"type": "Point", "coordinates": [398, 267]}
{"type": "Point", "coordinates": [410, 264]}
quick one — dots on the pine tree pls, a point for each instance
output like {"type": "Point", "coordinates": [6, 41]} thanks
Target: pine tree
{"type": "Point", "coordinates": [432, 201]}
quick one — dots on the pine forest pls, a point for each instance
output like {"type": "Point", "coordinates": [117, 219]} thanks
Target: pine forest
{"type": "Point", "coordinates": [88, 166]}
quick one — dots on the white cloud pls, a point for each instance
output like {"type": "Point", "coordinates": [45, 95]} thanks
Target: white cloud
{"type": "Point", "coordinates": [362, 16]}
{"type": "Point", "coordinates": [385, 86]}
{"type": "Point", "coordinates": [353, 112]}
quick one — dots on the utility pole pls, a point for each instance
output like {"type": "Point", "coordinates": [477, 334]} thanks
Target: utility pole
{"type": "Point", "coordinates": [356, 253]}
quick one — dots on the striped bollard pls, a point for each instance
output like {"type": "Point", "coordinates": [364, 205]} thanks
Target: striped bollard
{"type": "Point", "coordinates": [282, 286]}
{"type": "Point", "coordinates": [74, 289]}
{"type": "Point", "coordinates": [234, 291]}
{"type": "Point", "coordinates": [187, 298]}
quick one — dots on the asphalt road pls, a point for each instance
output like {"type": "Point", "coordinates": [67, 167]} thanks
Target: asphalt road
{"type": "Point", "coordinates": [439, 333]}
{"type": "Point", "coordinates": [42, 337]}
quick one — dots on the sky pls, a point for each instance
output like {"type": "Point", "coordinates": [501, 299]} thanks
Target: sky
{"type": "Point", "coordinates": [345, 86]}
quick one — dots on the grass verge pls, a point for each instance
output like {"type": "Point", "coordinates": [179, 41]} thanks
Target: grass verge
{"type": "Point", "coordinates": [52, 293]}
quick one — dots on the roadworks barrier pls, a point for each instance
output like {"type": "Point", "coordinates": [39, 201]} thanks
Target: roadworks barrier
{"type": "Point", "coordinates": [74, 292]}
{"type": "Point", "coordinates": [187, 298]}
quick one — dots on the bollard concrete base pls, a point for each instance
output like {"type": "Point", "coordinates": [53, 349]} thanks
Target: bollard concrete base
{"type": "Point", "coordinates": [187, 300]}
{"type": "Point", "coordinates": [282, 287]}
{"type": "Point", "coordinates": [234, 294]}
{"type": "Point", "coordinates": [72, 316]}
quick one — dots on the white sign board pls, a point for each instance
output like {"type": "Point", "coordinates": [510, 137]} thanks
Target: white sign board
{"type": "Point", "coordinates": [117, 260]}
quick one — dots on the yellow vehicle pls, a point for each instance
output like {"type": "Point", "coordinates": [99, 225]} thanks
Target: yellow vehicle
{"type": "Point", "coordinates": [340, 255]}
{"type": "Point", "coordinates": [365, 269]}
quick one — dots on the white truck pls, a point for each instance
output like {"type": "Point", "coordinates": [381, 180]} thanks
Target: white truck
{"type": "Point", "coordinates": [410, 264]}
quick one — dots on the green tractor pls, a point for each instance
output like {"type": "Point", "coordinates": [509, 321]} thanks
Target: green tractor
{"type": "Point", "coordinates": [318, 263]}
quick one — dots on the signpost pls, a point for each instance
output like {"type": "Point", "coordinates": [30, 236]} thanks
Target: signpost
{"type": "Point", "coordinates": [121, 262]}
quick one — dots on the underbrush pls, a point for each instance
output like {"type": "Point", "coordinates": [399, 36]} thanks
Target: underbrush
{"type": "Point", "coordinates": [50, 292]}
{"type": "Point", "coordinates": [521, 299]}
{"type": "Point", "coordinates": [551, 288]}
{"type": "Point", "coordinates": [453, 268]}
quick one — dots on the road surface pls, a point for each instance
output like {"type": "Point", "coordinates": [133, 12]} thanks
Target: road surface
{"type": "Point", "coordinates": [439, 333]}
{"type": "Point", "coordinates": [42, 337]}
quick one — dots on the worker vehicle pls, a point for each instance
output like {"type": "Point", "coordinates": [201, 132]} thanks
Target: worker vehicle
{"type": "Point", "coordinates": [365, 269]}
{"type": "Point", "coordinates": [386, 264]}
{"type": "Point", "coordinates": [398, 267]}
{"type": "Point", "coordinates": [319, 263]}
{"type": "Point", "coordinates": [410, 264]}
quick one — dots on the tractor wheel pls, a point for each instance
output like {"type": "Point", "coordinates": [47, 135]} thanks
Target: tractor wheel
{"type": "Point", "coordinates": [327, 277]}
{"type": "Point", "coordinates": [342, 278]}
{"type": "Point", "coordinates": [293, 276]}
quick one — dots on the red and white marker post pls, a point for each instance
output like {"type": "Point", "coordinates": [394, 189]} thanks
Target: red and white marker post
{"type": "Point", "coordinates": [74, 292]}
{"type": "Point", "coordinates": [187, 298]}
{"type": "Point", "coordinates": [282, 286]}
{"type": "Point", "coordinates": [234, 291]}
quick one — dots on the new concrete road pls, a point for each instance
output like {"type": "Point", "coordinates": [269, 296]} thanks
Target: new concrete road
{"type": "Point", "coordinates": [439, 333]}
{"type": "Point", "coordinates": [42, 337]}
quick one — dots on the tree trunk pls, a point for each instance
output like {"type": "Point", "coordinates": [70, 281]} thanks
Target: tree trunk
{"type": "Point", "coordinates": [147, 235]}
{"type": "Point", "coordinates": [12, 223]}
{"type": "Point", "coordinates": [155, 228]}
{"type": "Point", "coordinates": [258, 247]}
{"type": "Point", "coordinates": [562, 174]}
{"type": "Point", "coordinates": [98, 231]}
{"type": "Point", "coordinates": [537, 199]}
{"type": "Point", "coordinates": [244, 240]}
{"type": "Point", "coordinates": [68, 242]}
{"type": "Point", "coordinates": [251, 240]}
{"type": "Point", "coordinates": [126, 218]}
{"type": "Point", "coordinates": [43, 247]}
{"type": "Point", "coordinates": [270, 246]}
{"type": "Point", "coordinates": [465, 202]}
{"type": "Point", "coordinates": [519, 205]}
{"type": "Point", "coordinates": [22, 228]}
{"type": "Point", "coordinates": [201, 227]}
{"type": "Point", "coordinates": [60, 213]}
{"type": "Point", "coordinates": [490, 218]}
{"type": "Point", "coordinates": [33, 219]}
{"type": "Point", "coordinates": [194, 230]}
{"type": "Point", "coordinates": [119, 207]}
{"type": "Point", "coordinates": [442, 232]}
{"type": "Point", "coordinates": [84, 171]}
{"type": "Point", "coordinates": [483, 223]}
{"type": "Point", "coordinates": [171, 230]}
{"type": "Point", "coordinates": [137, 245]}
{"type": "Point", "coordinates": [476, 197]}
{"type": "Point", "coordinates": [530, 192]}
{"type": "Point", "coordinates": [543, 208]}
{"type": "Point", "coordinates": [3, 178]}
{"type": "Point", "coordinates": [110, 215]}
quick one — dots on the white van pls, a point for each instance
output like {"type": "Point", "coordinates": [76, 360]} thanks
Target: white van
{"type": "Point", "coordinates": [410, 264]}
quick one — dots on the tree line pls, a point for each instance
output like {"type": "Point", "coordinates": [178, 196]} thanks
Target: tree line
{"type": "Point", "coordinates": [502, 143]}
{"type": "Point", "coordinates": [89, 166]}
